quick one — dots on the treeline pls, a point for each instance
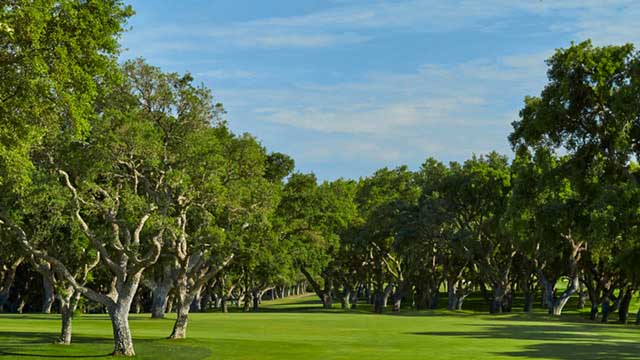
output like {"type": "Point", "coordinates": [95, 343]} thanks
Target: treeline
{"type": "Point", "coordinates": [123, 189]}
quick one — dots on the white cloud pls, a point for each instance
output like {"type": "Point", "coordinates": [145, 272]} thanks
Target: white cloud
{"type": "Point", "coordinates": [228, 74]}
{"type": "Point", "coordinates": [398, 104]}
{"type": "Point", "coordinates": [352, 22]}
{"type": "Point", "coordinates": [447, 110]}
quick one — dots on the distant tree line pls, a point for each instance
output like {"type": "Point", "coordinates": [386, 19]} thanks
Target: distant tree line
{"type": "Point", "coordinates": [122, 189]}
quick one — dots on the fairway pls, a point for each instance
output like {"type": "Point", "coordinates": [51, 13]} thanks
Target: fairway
{"type": "Point", "coordinates": [297, 329]}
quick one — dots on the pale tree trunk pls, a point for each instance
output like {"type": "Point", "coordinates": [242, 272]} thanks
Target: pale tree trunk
{"type": "Point", "coordinates": [386, 294]}
{"type": "Point", "coordinates": [556, 305]}
{"type": "Point", "coordinates": [246, 301]}
{"type": "Point", "coordinates": [457, 292]}
{"type": "Point", "coordinates": [345, 301]}
{"type": "Point", "coordinates": [68, 304]}
{"type": "Point", "coordinates": [123, 343]}
{"type": "Point", "coordinates": [180, 326]}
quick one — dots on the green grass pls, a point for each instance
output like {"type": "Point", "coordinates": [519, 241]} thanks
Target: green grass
{"type": "Point", "coordinates": [297, 329]}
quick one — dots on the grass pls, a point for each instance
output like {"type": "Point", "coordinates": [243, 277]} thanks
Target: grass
{"type": "Point", "coordinates": [297, 329]}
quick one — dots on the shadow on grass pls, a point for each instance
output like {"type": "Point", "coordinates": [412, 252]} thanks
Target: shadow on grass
{"type": "Point", "coordinates": [566, 341]}
{"type": "Point", "coordinates": [41, 345]}
{"type": "Point", "coordinates": [22, 344]}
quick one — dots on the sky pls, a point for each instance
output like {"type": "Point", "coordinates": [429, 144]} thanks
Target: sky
{"type": "Point", "coordinates": [346, 87]}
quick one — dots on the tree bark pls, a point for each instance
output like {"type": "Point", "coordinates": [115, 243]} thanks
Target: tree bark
{"type": "Point", "coordinates": [159, 301]}
{"type": "Point", "coordinates": [528, 301]}
{"type": "Point", "coordinates": [196, 305]}
{"type": "Point", "coordinates": [496, 300]}
{"type": "Point", "coordinates": [68, 306]}
{"type": "Point", "coordinates": [180, 326]}
{"type": "Point", "coordinates": [48, 296]}
{"type": "Point", "coordinates": [255, 296]}
{"type": "Point", "coordinates": [324, 294]}
{"type": "Point", "coordinates": [7, 275]}
{"type": "Point", "coordinates": [623, 311]}
{"type": "Point", "coordinates": [123, 344]}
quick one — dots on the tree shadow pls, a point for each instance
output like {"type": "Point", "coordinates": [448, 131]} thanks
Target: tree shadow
{"type": "Point", "coordinates": [566, 341]}
{"type": "Point", "coordinates": [21, 344]}
{"type": "Point", "coordinates": [41, 345]}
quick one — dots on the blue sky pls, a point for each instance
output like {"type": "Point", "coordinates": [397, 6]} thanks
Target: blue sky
{"type": "Point", "coordinates": [347, 87]}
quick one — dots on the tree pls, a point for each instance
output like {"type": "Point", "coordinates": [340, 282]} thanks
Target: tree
{"type": "Point", "coordinates": [53, 54]}
{"type": "Point", "coordinates": [588, 109]}
{"type": "Point", "coordinates": [381, 199]}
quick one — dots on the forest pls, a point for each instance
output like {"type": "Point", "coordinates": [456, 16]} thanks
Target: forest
{"type": "Point", "coordinates": [123, 190]}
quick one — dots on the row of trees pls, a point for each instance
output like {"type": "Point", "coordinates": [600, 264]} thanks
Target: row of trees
{"type": "Point", "coordinates": [115, 176]}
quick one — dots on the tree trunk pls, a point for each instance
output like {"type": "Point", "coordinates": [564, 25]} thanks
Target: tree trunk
{"type": "Point", "coordinates": [255, 294]}
{"type": "Point", "coordinates": [123, 344]}
{"type": "Point", "coordinates": [327, 300]}
{"type": "Point", "coordinates": [224, 304]}
{"type": "Point", "coordinates": [65, 332]}
{"type": "Point", "coordinates": [594, 312]}
{"type": "Point", "coordinates": [556, 305]}
{"type": "Point", "coordinates": [68, 306]}
{"type": "Point", "coordinates": [452, 299]}
{"type": "Point", "coordinates": [605, 310]}
{"type": "Point", "coordinates": [159, 301]}
{"type": "Point", "coordinates": [180, 326]}
{"type": "Point", "coordinates": [623, 311]}
{"type": "Point", "coordinates": [346, 299]}
{"type": "Point", "coordinates": [246, 303]}
{"type": "Point", "coordinates": [48, 295]}
{"type": "Point", "coordinates": [582, 297]}
{"type": "Point", "coordinates": [386, 294]}
{"type": "Point", "coordinates": [170, 300]}
{"type": "Point", "coordinates": [496, 301]}
{"type": "Point", "coordinates": [528, 301]}
{"type": "Point", "coordinates": [196, 305]}
{"type": "Point", "coordinates": [397, 302]}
